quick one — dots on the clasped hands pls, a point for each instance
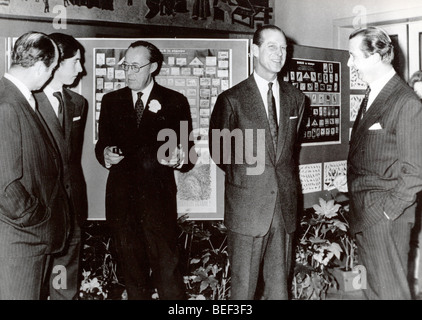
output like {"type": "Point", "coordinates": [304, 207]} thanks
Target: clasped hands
{"type": "Point", "coordinates": [112, 156]}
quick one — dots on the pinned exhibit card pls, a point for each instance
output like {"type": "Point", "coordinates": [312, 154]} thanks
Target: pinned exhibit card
{"type": "Point", "coordinates": [310, 177]}
{"type": "Point", "coordinates": [332, 171]}
{"type": "Point", "coordinates": [181, 61]}
{"type": "Point", "coordinates": [355, 82]}
{"type": "Point", "coordinates": [223, 54]}
{"type": "Point", "coordinates": [110, 61]}
{"type": "Point", "coordinates": [355, 101]}
{"type": "Point", "coordinates": [101, 72]}
{"type": "Point", "coordinates": [100, 59]}
{"type": "Point", "coordinates": [197, 188]}
{"type": "Point", "coordinates": [119, 74]}
{"type": "Point", "coordinates": [211, 61]}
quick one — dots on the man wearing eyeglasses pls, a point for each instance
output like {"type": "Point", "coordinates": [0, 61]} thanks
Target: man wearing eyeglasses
{"type": "Point", "coordinates": [141, 190]}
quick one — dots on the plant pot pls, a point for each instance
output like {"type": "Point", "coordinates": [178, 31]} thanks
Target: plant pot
{"type": "Point", "coordinates": [351, 280]}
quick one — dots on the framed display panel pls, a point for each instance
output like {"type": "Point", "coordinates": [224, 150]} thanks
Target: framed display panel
{"type": "Point", "coordinates": [321, 158]}
{"type": "Point", "coordinates": [198, 68]}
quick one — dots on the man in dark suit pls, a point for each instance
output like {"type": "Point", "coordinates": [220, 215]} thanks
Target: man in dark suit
{"type": "Point", "coordinates": [34, 213]}
{"type": "Point", "coordinates": [384, 166]}
{"type": "Point", "coordinates": [65, 112]}
{"type": "Point", "coordinates": [141, 190]}
{"type": "Point", "coordinates": [260, 198]}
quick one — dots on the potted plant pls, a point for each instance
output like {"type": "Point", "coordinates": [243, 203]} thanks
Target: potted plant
{"type": "Point", "coordinates": [317, 248]}
{"type": "Point", "coordinates": [350, 275]}
{"type": "Point", "coordinates": [207, 274]}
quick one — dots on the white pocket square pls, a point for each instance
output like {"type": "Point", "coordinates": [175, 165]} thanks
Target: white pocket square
{"type": "Point", "coordinates": [375, 126]}
{"type": "Point", "coordinates": [76, 118]}
{"type": "Point", "coordinates": [293, 117]}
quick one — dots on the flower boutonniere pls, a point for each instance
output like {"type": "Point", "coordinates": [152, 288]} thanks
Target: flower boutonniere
{"type": "Point", "coordinates": [154, 106]}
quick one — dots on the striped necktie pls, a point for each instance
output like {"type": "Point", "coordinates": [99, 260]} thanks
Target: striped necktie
{"type": "Point", "coordinates": [272, 114]}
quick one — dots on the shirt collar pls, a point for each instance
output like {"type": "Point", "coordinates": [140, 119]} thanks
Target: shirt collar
{"type": "Point", "coordinates": [377, 85]}
{"type": "Point", "coordinates": [145, 93]}
{"type": "Point", "coordinates": [48, 90]}
{"type": "Point", "coordinates": [22, 88]}
{"type": "Point", "coordinates": [262, 83]}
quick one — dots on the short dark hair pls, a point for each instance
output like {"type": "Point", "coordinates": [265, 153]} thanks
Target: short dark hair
{"type": "Point", "coordinates": [32, 47]}
{"type": "Point", "coordinates": [155, 54]}
{"type": "Point", "coordinates": [257, 37]}
{"type": "Point", "coordinates": [375, 40]}
{"type": "Point", "coordinates": [68, 45]}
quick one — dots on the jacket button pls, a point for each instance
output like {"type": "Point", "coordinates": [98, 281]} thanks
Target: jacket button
{"type": "Point", "coordinates": [272, 192]}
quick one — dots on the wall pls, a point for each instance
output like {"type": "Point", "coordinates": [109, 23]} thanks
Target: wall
{"type": "Point", "coordinates": [216, 17]}
{"type": "Point", "coordinates": [312, 22]}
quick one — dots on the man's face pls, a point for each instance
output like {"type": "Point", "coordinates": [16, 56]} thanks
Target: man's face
{"type": "Point", "coordinates": [271, 55]}
{"type": "Point", "coordinates": [69, 69]}
{"type": "Point", "coordinates": [357, 60]}
{"type": "Point", "coordinates": [139, 56]}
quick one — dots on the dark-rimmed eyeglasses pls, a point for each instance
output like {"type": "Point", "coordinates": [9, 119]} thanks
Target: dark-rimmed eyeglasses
{"type": "Point", "coordinates": [134, 67]}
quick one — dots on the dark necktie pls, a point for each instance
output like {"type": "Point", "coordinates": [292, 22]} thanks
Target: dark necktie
{"type": "Point", "coordinates": [60, 113]}
{"type": "Point", "coordinates": [272, 114]}
{"type": "Point", "coordinates": [365, 100]}
{"type": "Point", "coordinates": [139, 108]}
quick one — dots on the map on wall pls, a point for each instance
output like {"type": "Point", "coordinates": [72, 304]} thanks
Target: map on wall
{"type": "Point", "coordinates": [320, 82]}
{"type": "Point", "coordinates": [200, 75]}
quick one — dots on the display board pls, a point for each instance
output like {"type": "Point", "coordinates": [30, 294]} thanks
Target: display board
{"type": "Point", "coordinates": [198, 68]}
{"type": "Point", "coordinates": [323, 76]}
{"type": "Point", "coordinates": [320, 81]}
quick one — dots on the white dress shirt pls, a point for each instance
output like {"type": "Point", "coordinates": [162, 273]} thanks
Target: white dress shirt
{"type": "Point", "coordinates": [53, 100]}
{"type": "Point", "coordinates": [263, 90]}
{"type": "Point", "coordinates": [145, 94]}
{"type": "Point", "coordinates": [22, 88]}
{"type": "Point", "coordinates": [378, 85]}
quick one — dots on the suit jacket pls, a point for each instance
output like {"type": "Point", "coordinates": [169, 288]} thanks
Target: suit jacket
{"type": "Point", "coordinates": [139, 187]}
{"type": "Point", "coordinates": [69, 142]}
{"type": "Point", "coordinates": [34, 212]}
{"type": "Point", "coordinates": [385, 165]}
{"type": "Point", "coordinates": [250, 199]}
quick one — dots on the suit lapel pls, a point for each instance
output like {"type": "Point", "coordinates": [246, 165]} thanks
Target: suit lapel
{"type": "Point", "coordinates": [69, 111]}
{"type": "Point", "coordinates": [49, 119]}
{"type": "Point", "coordinates": [36, 117]}
{"type": "Point", "coordinates": [375, 111]}
{"type": "Point", "coordinates": [284, 117]}
{"type": "Point", "coordinates": [256, 107]}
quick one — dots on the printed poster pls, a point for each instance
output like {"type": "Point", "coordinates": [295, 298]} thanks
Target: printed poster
{"type": "Point", "coordinates": [320, 82]}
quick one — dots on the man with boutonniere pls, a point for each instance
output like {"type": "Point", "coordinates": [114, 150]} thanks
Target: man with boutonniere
{"type": "Point", "coordinates": [141, 206]}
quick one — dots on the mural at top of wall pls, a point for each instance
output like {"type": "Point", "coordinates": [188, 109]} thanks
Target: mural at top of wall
{"type": "Point", "coordinates": [241, 12]}
{"type": "Point", "coordinates": [201, 8]}
{"type": "Point", "coordinates": [102, 4]}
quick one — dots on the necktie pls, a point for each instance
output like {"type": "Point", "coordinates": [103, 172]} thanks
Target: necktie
{"type": "Point", "coordinates": [272, 114]}
{"type": "Point", "coordinates": [60, 113]}
{"type": "Point", "coordinates": [139, 109]}
{"type": "Point", "coordinates": [365, 101]}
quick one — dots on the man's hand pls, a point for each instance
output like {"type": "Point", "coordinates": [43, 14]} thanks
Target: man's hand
{"type": "Point", "coordinates": [110, 157]}
{"type": "Point", "coordinates": [177, 158]}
